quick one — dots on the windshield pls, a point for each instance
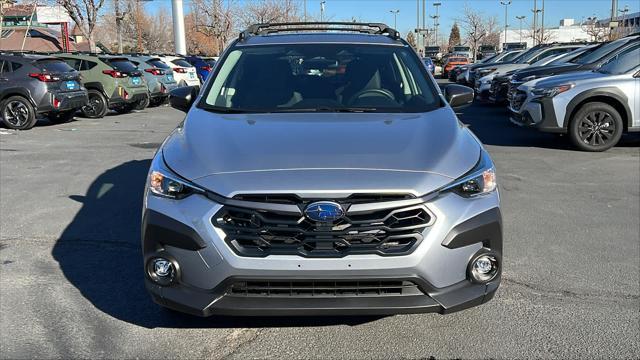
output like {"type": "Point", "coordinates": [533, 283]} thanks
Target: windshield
{"type": "Point", "coordinates": [157, 63]}
{"type": "Point", "coordinates": [181, 62]}
{"type": "Point", "coordinates": [510, 56]}
{"type": "Point", "coordinates": [601, 52]}
{"type": "Point", "coordinates": [123, 65]}
{"type": "Point", "coordinates": [321, 77]}
{"type": "Point", "coordinates": [624, 62]}
{"type": "Point", "coordinates": [53, 66]}
{"type": "Point", "coordinates": [526, 56]}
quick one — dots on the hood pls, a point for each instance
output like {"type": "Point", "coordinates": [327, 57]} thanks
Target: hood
{"type": "Point", "coordinates": [545, 70]}
{"type": "Point", "coordinates": [565, 78]}
{"type": "Point", "coordinates": [502, 69]}
{"type": "Point", "coordinates": [327, 152]}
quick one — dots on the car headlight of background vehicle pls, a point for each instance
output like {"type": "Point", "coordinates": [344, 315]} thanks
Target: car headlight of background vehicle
{"type": "Point", "coordinates": [165, 183]}
{"type": "Point", "coordinates": [479, 181]}
{"type": "Point", "coordinates": [551, 91]}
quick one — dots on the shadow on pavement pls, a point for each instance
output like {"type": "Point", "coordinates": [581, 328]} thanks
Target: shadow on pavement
{"type": "Point", "coordinates": [99, 253]}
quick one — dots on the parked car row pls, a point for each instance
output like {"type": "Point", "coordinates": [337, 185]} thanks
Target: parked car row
{"type": "Point", "coordinates": [590, 92]}
{"type": "Point", "coordinates": [58, 85]}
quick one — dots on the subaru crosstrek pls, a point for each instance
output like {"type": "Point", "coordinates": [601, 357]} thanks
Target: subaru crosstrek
{"type": "Point", "coordinates": [321, 173]}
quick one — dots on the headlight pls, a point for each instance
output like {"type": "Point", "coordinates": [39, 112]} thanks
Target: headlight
{"type": "Point", "coordinates": [479, 181]}
{"type": "Point", "coordinates": [165, 183]}
{"type": "Point", "coordinates": [552, 91]}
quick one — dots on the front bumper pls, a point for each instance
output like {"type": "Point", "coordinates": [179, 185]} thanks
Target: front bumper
{"type": "Point", "coordinates": [182, 230]}
{"type": "Point", "coordinates": [537, 113]}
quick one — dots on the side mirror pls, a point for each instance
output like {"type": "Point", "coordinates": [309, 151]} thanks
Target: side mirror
{"type": "Point", "coordinates": [458, 96]}
{"type": "Point", "coordinates": [183, 97]}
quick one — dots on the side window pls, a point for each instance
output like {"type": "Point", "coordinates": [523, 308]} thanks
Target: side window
{"type": "Point", "coordinates": [2, 65]}
{"type": "Point", "coordinates": [88, 65]}
{"type": "Point", "coordinates": [74, 63]}
{"type": "Point", "coordinates": [15, 66]}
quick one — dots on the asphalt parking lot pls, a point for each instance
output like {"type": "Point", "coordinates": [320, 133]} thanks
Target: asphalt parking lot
{"type": "Point", "coordinates": [71, 270]}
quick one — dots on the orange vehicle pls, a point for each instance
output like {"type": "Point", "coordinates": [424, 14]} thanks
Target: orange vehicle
{"type": "Point", "coordinates": [453, 62]}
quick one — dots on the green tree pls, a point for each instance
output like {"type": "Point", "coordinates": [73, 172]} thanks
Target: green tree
{"type": "Point", "coordinates": [454, 36]}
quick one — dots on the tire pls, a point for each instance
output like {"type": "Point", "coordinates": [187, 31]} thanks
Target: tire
{"type": "Point", "coordinates": [142, 104]}
{"type": "Point", "coordinates": [596, 126]}
{"type": "Point", "coordinates": [97, 107]}
{"type": "Point", "coordinates": [61, 117]}
{"type": "Point", "coordinates": [125, 109]}
{"type": "Point", "coordinates": [17, 113]}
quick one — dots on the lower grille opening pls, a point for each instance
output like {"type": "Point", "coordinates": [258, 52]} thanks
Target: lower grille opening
{"type": "Point", "coordinates": [324, 288]}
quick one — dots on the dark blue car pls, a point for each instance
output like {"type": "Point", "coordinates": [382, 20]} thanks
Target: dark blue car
{"type": "Point", "coordinates": [202, 66]}
{"type": "Point", "coordinates": [429, 64]}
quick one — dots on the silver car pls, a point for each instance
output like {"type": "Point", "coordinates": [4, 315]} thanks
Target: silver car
{"type": "Point", "coordinates": [594, 108]}
{"type": "Point", "coordinates": [338, 182]}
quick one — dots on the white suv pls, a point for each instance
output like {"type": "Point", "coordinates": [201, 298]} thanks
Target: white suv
{"type": "Point", "coordinates": [593, 108]}
{"type": "Point", "coordinates": [184, 73]}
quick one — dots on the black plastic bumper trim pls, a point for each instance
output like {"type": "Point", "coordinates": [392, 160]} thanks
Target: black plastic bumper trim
{"type": "Point", "coordinates": [485, 227]}
{"type": "Point", "coordinates": [160, 229]}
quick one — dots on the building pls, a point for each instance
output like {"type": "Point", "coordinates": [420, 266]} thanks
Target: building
{"type": "Point", "coordinates": [36, 28]}
{"type": "Point", "coordinates": [567, 31]}
{"type": "Point", "coordinates": [625, 24]}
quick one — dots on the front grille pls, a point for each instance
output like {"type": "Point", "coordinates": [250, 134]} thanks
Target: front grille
{"type": "Point", "coordinates": [516, 98]}
{"type": "Point", "coordinates": [258, 232]}
{"type": "Point", "coordinates": [323, 288]}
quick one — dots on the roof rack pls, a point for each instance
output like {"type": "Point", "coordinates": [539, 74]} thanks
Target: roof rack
{"type": "Point", "coordinates": [366, 28]}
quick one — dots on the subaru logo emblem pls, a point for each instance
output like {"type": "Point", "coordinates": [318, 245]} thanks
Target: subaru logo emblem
{"type": "Point", "coordinates": [324, 211]}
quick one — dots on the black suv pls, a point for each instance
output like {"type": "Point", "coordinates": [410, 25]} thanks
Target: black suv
{"type": "Point", "coordinates": [36, 84]}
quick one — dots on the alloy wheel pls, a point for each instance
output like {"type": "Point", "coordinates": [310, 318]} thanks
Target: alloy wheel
{"type": "Point", "coordinates": [597, 128]}
{"type": "Point", "coordinates": [94, 107]}
{"type": "Point", "coordinates": [16, 113]}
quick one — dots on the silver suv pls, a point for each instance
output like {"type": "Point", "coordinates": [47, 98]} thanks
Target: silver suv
{"type": "Point", "coordinates": [321, 173]}
{"type": "Point", "coordinates": [594, 108]}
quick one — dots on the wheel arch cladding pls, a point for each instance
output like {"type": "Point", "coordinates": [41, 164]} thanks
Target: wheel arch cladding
{"type": "Point", "coordinates": [17, 91]}
{"type": "Point", "coordinates": [95, 85]}
{"type": "Point", "coordinates": [609, 95]}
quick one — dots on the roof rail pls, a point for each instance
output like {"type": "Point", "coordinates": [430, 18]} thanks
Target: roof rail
{"type": "Point", "coordinates": [367, 28]}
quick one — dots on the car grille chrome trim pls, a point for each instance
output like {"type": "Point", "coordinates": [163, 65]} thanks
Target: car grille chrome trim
{"type": "Point", "coordinates": [385, 228]}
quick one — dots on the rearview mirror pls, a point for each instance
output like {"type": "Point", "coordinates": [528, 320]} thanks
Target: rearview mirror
{"type": "Point", "coordinates": [183, 97]}
{"type": "Point", "coordinates": [458, 96]}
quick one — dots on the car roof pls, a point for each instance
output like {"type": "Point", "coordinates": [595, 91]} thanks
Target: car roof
{"type": "Point", "coordinates": [24, 57]}
{"type": "Point", "coordinates": [319, 38]}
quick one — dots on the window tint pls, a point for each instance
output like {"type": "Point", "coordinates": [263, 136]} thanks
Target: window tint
{"type": "Point", "coordinates": [181, 62]}
{"type": "Point", "coordinates": [74, 63]}
{"type": "Point", "coordinates": [321, 77]}
{"type": "Point", "coordinates": [87, 65]}
{"type": "Point", "coordinates": [123, 65]}
{"type": "Point", "coordinates": [15, 66]}
{"type": "Point", "coordinates": [623, 62]}
{"type": "Point", "coordinates": [603, 51]}
{"type": "Point", "coordinates": [157, 63]}
{"type": "Point", "coordinates": [53, 66]}
{"type": "Point", "coordinates": [2, 65]}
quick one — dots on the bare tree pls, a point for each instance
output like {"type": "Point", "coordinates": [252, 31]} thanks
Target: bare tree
{"type": "Point", "coordinates": [268, 11]}
{"type": "Point", "coordinates": [85, 14]}
{"type": "Point", "coordinates": [493, 32]}
{"type": "Point", "coordinates": [213, 19]}
{"type": "Point", "coordinates": [475, 26]}
{"type": "Point", "coordinates": [595, 30]}
{"type": "Point", "coordinates": [411, 39]}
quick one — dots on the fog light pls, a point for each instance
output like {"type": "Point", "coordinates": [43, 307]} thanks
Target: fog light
{"type": "Point", "coordinates": [484, 268]}
{"type": "Point", "coordinates": [162, 271]}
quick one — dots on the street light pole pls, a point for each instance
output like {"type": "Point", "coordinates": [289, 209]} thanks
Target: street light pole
{"type": "Point", "coordinates": [395, 18]}
{"type": "Point", "coordinates": [521, 17]}
{"type": "Point", "coordinates": [177, 12]}
{"type": "Point", "coordinates": [624, 15]}
{"type": "Point", "coordinates": [322, 10]}
{"type": "Point", "coordinates": [506, 24]}
{"type": "Point", "coordinates": [436, 24]}
{"type": "Point", "coordinates": [118, 25]}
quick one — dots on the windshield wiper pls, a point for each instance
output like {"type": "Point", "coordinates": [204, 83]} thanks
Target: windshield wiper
{"type": "Point", "coordinates": [327, 109]}
{"type": "Point", "coordinates": [225, 110]}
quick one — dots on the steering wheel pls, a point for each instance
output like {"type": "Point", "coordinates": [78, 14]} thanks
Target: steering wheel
{"type": "Point", "coordinates": [384, 92]}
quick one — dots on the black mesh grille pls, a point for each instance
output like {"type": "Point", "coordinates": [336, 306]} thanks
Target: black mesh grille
{"type": "Point", "coordinates": [258, 233]}
{"type": "Point", "coordinates": [320, 288]}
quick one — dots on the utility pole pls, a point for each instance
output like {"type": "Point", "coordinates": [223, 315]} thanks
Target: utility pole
{"type": "Point", "coordinates": [177, 12]}
{"type": "Point", "coordinates": [436, 23]}
{"type": "Point", "coordinates": [118, 24]}
{"type": "Point", "coordinates": [424, 20]}
{"type": "Point", "coordinates": [614, 9]}
{"type": "Point", "coordinates": [506, 21]}
{"type": "Point", "coordinates": [418, 23]}
{"type": "Point", "coordinates": [535, 19]}
{"type": "Point", "coordinates": [542, 24]}
{"type": "Point", "coordinates": [395, 18]}
{"type": "Point", "coordinates": [521, 17]}
{"type": "Point", "coordinates": [305, 10]}
{"type": "Point", "coordinates": [322, 10]}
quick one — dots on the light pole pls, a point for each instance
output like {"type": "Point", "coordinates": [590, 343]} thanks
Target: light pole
{"type": "Point", "coordinates": [395, 18]}
{"type": "Point", "coordinates": [506, 24]}
{"type": "Point", "coordinates": [119, 18]}
{"type": "Point", "coordinates": [177, 13]}
{"type": "Point", "coordinates": [624, 15]}
{"type": "Point", "coordinates": [521, 17]}
{"type": "Point", "coordinates": [435, 18]}
{"type": "Point", "coordinates": [322, 10]}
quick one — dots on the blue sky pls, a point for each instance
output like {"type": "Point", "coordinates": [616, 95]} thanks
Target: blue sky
{"type": "Point", "coordinates": [378, 10]}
